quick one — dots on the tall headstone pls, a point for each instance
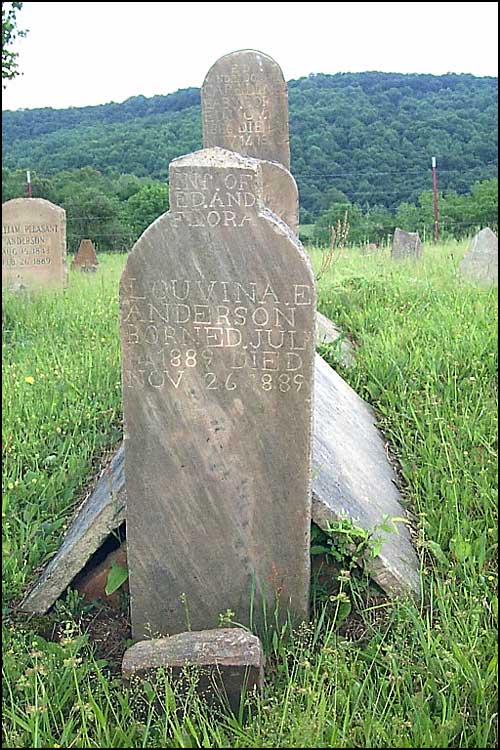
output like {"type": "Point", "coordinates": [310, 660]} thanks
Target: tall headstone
{"type": "Point", "coordinates": [217, 328]}
{"type": "Point", "coordinates": [406, 245]}
{"type": "Point", "coordinates": [480, 263]}
{"type": "Point", "coordinates": [245, 109]}
{"type": "Point", "coordinates": [86, 258]}
{"type": "Point", "coordinates": [33, 244]}
{"type": "Point", "coordinates": [244, 100]}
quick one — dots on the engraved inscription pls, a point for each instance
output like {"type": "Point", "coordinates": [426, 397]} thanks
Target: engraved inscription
{"type": "Point", "coordinates": [27, 244]}
{"type": "Point", "coordinates": [230, 331]}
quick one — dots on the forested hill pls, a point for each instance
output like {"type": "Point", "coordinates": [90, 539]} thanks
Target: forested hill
{"type": "Point", "coordinates": [367, 137]}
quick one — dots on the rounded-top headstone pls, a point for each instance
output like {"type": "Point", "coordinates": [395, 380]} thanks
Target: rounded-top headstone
{"type": "Point", "coordinates": [244, 101]}
{"type": "Point", "coordinates": [33, 244]}
{"type": "Point", "coordinates": [218, 335]}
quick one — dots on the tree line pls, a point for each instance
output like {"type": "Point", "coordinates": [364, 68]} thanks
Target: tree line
{"type": "Point", "coordinates": [364, 139]}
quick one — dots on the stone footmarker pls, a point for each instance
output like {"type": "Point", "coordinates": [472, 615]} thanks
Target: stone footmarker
{"type": "Point", "coordinates": [406, 245]}
{"type": "Point", "coordinates": [86, 258]}
{"type": "Point", "coordinates": [228, 662]}
{"type": "Point", "coordinates": [480, 263]}
{"type": "Point", "coordinates": [244, 103]}
{"type": "Point", "coordinates": [33, 244]}
{"type": "Point", "coordinates": [217, 326]}
{"type": "Point", "coordinates": [352, 478]}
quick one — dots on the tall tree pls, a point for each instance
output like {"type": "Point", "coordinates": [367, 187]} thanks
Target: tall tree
{"type": "Point", "coordinates": [10, 32]}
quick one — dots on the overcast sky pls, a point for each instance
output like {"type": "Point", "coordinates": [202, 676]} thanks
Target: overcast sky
{"type": "Point", "coordinates": [77, 54]}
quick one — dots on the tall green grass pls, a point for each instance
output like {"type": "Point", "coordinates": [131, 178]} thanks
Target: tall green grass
{"type": "Point", "coordinates": [426, 358]}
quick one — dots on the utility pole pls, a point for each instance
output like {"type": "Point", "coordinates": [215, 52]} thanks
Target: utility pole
{"type": "Point", "coordinates": [436, 205]}
{"type": "Point", "coordinates": [28, 181]}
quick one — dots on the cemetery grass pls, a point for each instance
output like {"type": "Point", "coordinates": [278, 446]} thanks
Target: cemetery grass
{"type": "Point", "coordinates": [393, 674]}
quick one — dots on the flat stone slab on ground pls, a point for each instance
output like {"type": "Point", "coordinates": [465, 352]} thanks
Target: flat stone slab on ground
{"type": "Point", "coordinates": [480, 262]}
{"type": "Point", "coordinates": [329, 333]}
{"type": "Point", "coordinates": [230, 661]}
{"type": "Point", "coordinates": [97, 517]}
{"type": "Point", "coordinates": [352, 477]}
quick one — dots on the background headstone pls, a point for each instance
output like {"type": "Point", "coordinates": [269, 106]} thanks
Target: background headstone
{"type": "Point", "coordinates": [33, 244]}
{"type": "Point", "coordinates": [86, 258]}
{"type": "Point", "coordinates": [217, 325]}
{"type": "Point", "coordinates": [406, 245]}
{"type": "Point", "coordinates": [244, 100]}
{"type": "Point", "coordinates": [480, 263]}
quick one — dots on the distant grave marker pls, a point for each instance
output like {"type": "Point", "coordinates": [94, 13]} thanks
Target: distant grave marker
{"type": "Point", "coordinates": [480, 263]}
{"type": "Point", "coordinates": [33, 244]}
{"type": "Point", "coordinates": [217, 325]}
{"type": "Point", "coordinates": [86, 258]}
{"type": "Point", "coordinates": [406, 245]}
{"type": "Point", "coordinates": [244, 101]}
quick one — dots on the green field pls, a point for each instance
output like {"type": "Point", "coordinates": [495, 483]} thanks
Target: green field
{"type": "Point", "coordinates": [391, 674]}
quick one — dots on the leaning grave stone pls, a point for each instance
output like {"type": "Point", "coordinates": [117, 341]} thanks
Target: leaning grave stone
{"type": "Point", "coordinates": [33, 244]}
{"type": "Point", "coordinates": [85, 258]}
{"type": "Point", "coordinates": [480, 262]}
{"type": "Point", "coordinates": [406, 245]}
{"type": "Point", "coordinates": [352, 478]}
{"type": "Point", "coordinates": [244, 101]}
{"type": "Point", "coordinates": [218, 316]}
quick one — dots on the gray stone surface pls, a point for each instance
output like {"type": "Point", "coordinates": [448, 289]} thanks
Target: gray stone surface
{"type": "Point", "coordinates": [281, 195]}
{"type": "Point", "coordinates": [217, 327]}
{"type": "Point", "coordinates": [33, 244]}
{"type": "Point", "coordinates": [244, 100]}
{"type": "Point", "coordinates": [354, 479]}
{"type": "Point", "coordinates": [406, 245]}
{"type": "Point", "coordinates": [229, 661]}
{"type": "Point", "coordinates": [480, 263]}
{"type": "Point", "coordinates": [100, 514]}
{"type": "Point", "coordinates": [86, 258]}
{"type": "Point", "coordinates": [329, 333]}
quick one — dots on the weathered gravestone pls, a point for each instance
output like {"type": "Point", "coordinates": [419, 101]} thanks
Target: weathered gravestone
{"type": "Point", "coordinates": [217, 326]}
{"type": "Point", "coordinates": [245, 109]}
{"type": "Point", "coordinates": [480, 263]}
{"type": "Point", "coordinates": [33, 244]}
{"type": "Point", "coordinates": [86, 258]}
{"type": "Point", "coordinates": [244, 102]}
{"type": "Point", "coordinates": [406, 245]}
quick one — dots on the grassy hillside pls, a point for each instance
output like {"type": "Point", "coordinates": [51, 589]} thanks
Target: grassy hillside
{"type": "Point", "coordinates": [367, 137]}
{"type": "Point", "coordinates": [390, 674]}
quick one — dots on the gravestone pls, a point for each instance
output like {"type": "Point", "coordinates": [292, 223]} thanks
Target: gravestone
{"type": "Point", "coordinates": [406, 245]}
{"type": "Point", "coordinates": [480, 263]}
{"type": "Point", "coordinates": [86, 258]}
{"type": "Point", "coordinates": [33, 244]}
{"type": "Point", "coordinates": [224, 661]}
{"type": "Point", "coordinates": [217, 329]}
{"type": "Point", "coordinates": [244, 101]}
{"type": "Point", "coordinates": [229, 108]}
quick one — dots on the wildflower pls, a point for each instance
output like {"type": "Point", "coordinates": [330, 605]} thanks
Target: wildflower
{"type": "Point", "coordinates": [28, 379]}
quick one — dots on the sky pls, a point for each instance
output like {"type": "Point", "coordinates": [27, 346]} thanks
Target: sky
{"type": "Point", "coordinates": [78, 54]}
